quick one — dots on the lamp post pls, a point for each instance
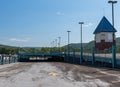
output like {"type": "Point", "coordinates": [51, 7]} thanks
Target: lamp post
{"type": "Point", "coordinates": [113, 2]}
{"type": "Point", "coordinates": [81, 49]}
{"type": "Point", "coordinates": [55, 42]}
{"type": "Point", "coordinates": [59, 44]}
{"type": "Point", "coordinates": [19, 54]}
{"type": "Point", "coordinates": [51, 47]}
{"type": "Point", "coordinates": [114, 44]}
{"type": "Point", "coordinates": [68, 42]}
{"type": "Point", "coordinates": [51, 44]}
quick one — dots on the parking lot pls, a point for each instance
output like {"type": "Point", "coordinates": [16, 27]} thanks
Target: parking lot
{"type": "Point", "coordinates": [57, 74]}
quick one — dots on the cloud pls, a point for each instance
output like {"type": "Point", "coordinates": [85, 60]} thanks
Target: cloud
{"type": "Point", "coordinates": [59, 13]}
{"type": "Point", "coordinates": [88, 25]}
{"type": "Point", "coordinates": [19, 40]}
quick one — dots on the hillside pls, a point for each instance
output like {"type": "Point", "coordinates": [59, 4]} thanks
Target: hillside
{"type": "Point", "coordinates": [7, 46]}
{"type": "Point", "coordinates": [118, 41]}
{"type": "Point", "coordinates": [77, 45]}
{"type": "Point", "coordinates": [73, 45]}
{"type": "Point", "coordinates": [91, 44]}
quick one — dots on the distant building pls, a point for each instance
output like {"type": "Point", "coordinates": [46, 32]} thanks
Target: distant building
{"type": "Point", "coordinates": [104, 35]}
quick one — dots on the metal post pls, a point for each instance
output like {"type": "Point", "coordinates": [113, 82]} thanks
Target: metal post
{"type": "Point", "coordinates": [65, 56]}
{"type": "Point", "coordinates": [74, 57]}
{"type": "Point", "coordinates": [114, 44]}
{"type": "Point", "coordinates": [14, 59]}
{"type": "Point", "coordinates": [55, 42]}
{"type": "Point", "coordinates": [81, 48]}
{"type": "Point", "coordinates": [9, 59]}
{"type": "Point", "coordinates": [55, 46]}
{"type": "Point", "coordinates": [68, 45]}
{"type": "Point", "coordinates": [81, 55]}
{"type": "Point", "coordinates": [19, 55]}
{"type": "Point", "coordinates": [93, 56]}
{"type": "Point", "coordinates": [113, 56]}
{"type": "Point", "coordinates": [65, 60]}
{"type": "Point", "coordinates": [2, 60]}
{"type": "Point", "coordinates": [51, 49]}
{"type": "Point", "coordinates": [59, 45]}
{"type": "Point", "coordinates": [113, 2]}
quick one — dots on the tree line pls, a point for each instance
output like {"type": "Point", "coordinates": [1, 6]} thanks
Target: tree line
{"type": "Point", "coordinates": [43, 50]}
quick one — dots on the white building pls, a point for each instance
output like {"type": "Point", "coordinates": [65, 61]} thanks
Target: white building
{"type": "Point", "coordinates": [104, 35]}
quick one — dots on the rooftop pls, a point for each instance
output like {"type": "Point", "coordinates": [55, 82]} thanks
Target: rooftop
{"type": "Point", "coordinates": [104, 26]}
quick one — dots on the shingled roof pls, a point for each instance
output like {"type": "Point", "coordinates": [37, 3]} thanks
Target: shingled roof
{"type": "Point", "coordinates": [104, 26]}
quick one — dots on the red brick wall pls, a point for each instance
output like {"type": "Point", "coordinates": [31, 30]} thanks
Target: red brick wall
{"type": "Point", "coordinates": [103, 45]}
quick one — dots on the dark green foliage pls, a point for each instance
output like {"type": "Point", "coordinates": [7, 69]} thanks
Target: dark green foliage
{"type": "Point", "coordinates": [87, 46]}
{"type": "Point", "coordinates": [118, 49]}
{"type": "Point", "coordinates": [7, 50]}
{"type": "Point", "coordinates": [45, 50]}
{"type": "Point", "coordinates": [118, 41]}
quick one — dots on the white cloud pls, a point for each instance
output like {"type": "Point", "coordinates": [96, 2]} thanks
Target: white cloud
{"type": "Point", "coordinates": [19, 40]}
{"type": "Point", "coordinates": [59, 13]}
{"type": "Point", "coordinates": [88, 25]}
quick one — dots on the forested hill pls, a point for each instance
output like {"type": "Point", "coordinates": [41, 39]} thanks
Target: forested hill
{"type": "Point", "coordinates": [5, 49]}
{"type": "Point", "coordinates": [74, 45]}
{"type": "Point", "coordinates": [91, 44]}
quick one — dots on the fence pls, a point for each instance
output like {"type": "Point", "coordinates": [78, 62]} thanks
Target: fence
{"type": "Point", "coordinates": [7, 59]}
{"type": "Point", "coordinates": [110, 59]}
{"type": "Point", "coordinates": [85, 56]}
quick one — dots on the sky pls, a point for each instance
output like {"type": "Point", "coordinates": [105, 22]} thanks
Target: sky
{"type": "Point", "coordinates": [37, 23]}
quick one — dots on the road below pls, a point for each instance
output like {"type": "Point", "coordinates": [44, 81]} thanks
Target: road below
{"type": "Point", "coordinates": [56, 74]}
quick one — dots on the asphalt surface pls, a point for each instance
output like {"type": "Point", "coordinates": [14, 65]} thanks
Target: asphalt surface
{"type": "Point", "coordinates": [56, 74]}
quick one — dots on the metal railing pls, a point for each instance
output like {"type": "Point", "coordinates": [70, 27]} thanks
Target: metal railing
{"type": "Point", "coordinates": [111, 59]}
{"type": "Point", "coordinates": [7, 59]}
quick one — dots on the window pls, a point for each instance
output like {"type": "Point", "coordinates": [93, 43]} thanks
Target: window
{"type": "Point", "coordinates": [102, 37]}
{"type": "Point", "coordinates": [110, 37]}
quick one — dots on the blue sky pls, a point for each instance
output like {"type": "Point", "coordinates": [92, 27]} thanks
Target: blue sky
{"type": "Point", "coordinates": [37, 23]}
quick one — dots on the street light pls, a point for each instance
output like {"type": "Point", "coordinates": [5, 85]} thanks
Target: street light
{"type": "Point", "coordinates": [59, 38]}
{"type": "Point", "coordinates": [59, 43]}
{"type": "Point", "coordinates": [114, 56]}
{"type": "Point", "coordinates": [55, 42]}
{"type": "Point", "coordinates": [68, 41]}
{"type": "Point", "coordinates": [51, 44]}
{"type": "Point", "coordinates": [113, 2]}
{"type": "Point", "coordinates": [51, 47]}
{"type": "Point", "coordinates": [81, 55]}
{"type": "Point", "coordinates": [19, 54]}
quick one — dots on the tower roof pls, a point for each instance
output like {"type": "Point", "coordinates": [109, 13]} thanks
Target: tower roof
{"type": "Point", "coordinates": [104, 26]}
